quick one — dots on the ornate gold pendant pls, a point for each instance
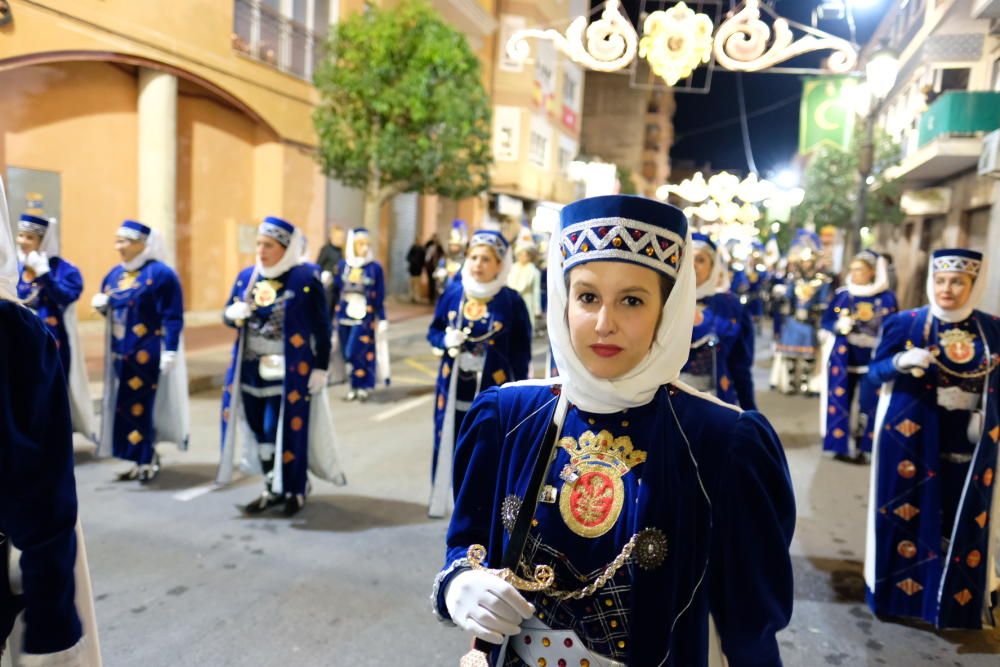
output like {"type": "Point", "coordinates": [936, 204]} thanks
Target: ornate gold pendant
{"type": "Point", "coordinates": [591, 500]}
{"type": "Point", "coordinates": [959, 345]}
{"type": "Point", "coordinates": [475, 309]}
{"type": "Point", "coordinates": [864, 311]}
{"type": "Point", "coordinates": [126, 280]}
{"type": "Point", "coordinates": [356, 274]}
{"type": "Point", "coordinates": [265, 293]}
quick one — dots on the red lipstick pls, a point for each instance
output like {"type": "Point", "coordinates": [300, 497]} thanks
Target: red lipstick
{"type": "Point", "coordinates": [605, 350]}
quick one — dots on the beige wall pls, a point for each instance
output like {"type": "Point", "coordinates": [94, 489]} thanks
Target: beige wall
{"type": "Point", "coordinates": [77, 119]}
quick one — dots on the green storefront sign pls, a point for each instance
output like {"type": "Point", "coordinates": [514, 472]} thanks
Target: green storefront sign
{"type": "Point", "coordinates": [827, 112]}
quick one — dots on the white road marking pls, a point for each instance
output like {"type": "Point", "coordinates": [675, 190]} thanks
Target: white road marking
{"type": "Point", "coordinates": [194, 492]}
{"type": "Point", "coordinates": [402, 407]}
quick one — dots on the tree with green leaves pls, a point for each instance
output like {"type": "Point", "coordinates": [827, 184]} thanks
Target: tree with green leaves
{"type": "Point", "coordinates": [402, 107]}
{"type": "Point", "coordinates": [831, 185]}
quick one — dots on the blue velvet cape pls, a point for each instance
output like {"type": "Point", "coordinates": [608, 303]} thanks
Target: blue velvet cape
{"type": "Point", "coordinates": [730, 322]}
{"type": "Point", "coordinates": [307, 347]}
{"type": "Point", "coordinates": [49, 295]}
{"type": "Point", "coordinates": [357, 341]}
{"type": "Point", "coordinates": [912, 577]}
{"type": "Point", "coordinates": [37, 489]}
{"type": "Point", "coordinates": [146, 315]}
{"type": "Point", "coordinates": [714, 481]}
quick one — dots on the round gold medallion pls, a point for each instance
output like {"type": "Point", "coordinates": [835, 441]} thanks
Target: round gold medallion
{"type": "Point", "coordinates": [864, 311]}
{"type": "Point", "coordinates": [474, 310]}
{"type": "Point", "coordinates": [264, 294]}
{"type": "Point", "coordinates": [959, 345]}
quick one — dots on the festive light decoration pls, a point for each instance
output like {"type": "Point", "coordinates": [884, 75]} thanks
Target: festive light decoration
{"type": "Point", "coordinates": [676, 41]}
{"type": "Point", "coordinates": [741, 42]}
{"type": "Point", "coordinates": [606, 45]}
{"type": "Point", "coordinates": [725, 199]}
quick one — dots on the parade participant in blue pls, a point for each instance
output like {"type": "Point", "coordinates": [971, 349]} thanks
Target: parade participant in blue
{"type": "Point", "coordinates": [614, 516]}
{"type": "Point", "coordinates": [51, 286]}
{"type": "Point", "coordinates": [39, 622]}
{"type": "Point", "coordinates": [805, 295]}
{"type": "Point", "coordinates": [450, 265]}
{"type": "Point", "coordinates": [274, 400]}
{"type": "Point", "coordinates": [850, 329]}
{"type": "Point", "coordinates": [933, 542]}
{"type": "Point", "coordinates": [360, 317]}
{"type": "Point", "coordinates": [750, 279]}
{"type": "Point", "coordinates": [721, 357]}
{"type": "Point", "coordinates": [483, 330]}
{"type": "Point", "coordinates": [145, 374]}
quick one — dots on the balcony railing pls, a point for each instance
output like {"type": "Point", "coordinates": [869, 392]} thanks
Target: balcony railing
{"type": "Point", "coordinates": [960, 113]}
{"type": "Point", "coordinates": [264, 34]}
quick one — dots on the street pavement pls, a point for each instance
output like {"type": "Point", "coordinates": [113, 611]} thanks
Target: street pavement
{"type": "Point", "coordinates": [182, 578]}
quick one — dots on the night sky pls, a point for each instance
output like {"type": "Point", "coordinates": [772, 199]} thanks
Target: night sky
{"type": "Point", "coordinates": [773, 134]}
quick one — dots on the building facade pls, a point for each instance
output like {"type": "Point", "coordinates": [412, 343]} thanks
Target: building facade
{"type": "Point", "coordinates": [945, 100]}
{"type": "Point", "coordinates": [194, 117]}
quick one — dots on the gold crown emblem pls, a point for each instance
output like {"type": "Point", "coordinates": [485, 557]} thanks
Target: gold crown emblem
{"type": "Point", "coordinates": [603, 447]}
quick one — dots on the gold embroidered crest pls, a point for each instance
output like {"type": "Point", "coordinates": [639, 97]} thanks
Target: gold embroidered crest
{"type": "Point", "coordinates": [475, 309]}
{"type": "Point", "coordinates": [356, 274]}
{"type": "Point", "coordinates": [864, 311]}
{"type": "Point", "coordinates": [265, 293]}
{"type": "Point", "coordinates": [959, 345]}
{"type": "Point", "coordinates": [591, 499]}
{"type": "Point", "coordinates": [126, 280]}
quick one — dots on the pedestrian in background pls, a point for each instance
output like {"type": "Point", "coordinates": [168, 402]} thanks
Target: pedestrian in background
{"type": "Point", "coordinates": [329, 259]}
{"type": "Point", "coordinates": [433, 252]}
{"type": "Point", "coordinates": [415, 267]}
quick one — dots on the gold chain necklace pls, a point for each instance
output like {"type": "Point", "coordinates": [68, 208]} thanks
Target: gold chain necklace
{"type": "Point", "coordinates": [598, 583]}
{"type": "Point", "coordinates": [970, 375]}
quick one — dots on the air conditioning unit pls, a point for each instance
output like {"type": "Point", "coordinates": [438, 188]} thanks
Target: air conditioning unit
{"type": "Point", "coordinates": [989, 158]}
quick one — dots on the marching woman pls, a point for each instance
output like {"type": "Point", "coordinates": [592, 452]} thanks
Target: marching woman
{"type": "Point", "coordinates": [933, 535]}
{"type": "Point", "coordinates": [483, 330]}
{"type": "Point", "coordinates": [721, 358]}
{"type": "Point", "coordinates": [145, 375]}
{"type": "Point", "coordinates": [51, 286]}
{"type": "Point", "coordinates": [274, 399]}
{"type": "Point", "coordinates": [612, 516]}
{"type": "Point", "coordinates": [850, 330]}
{"type": "Point", "coordinates": [41, 550]}
{"type": "Point", "coordinates": [360, 317]}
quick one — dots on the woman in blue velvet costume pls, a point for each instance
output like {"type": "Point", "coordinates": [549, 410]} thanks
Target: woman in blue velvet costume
{"type": "Point", "coordinates": [483, 331]}
{"type": "Point", "coordinates": [664, 514]}
{"type": "Point", "coordinates": [933, 537]}
{"type": "Point", "coordinates": [850, 329]}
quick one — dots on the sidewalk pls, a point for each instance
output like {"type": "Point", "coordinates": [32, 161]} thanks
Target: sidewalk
{"type": "Point", "coordinates": [208, 344]}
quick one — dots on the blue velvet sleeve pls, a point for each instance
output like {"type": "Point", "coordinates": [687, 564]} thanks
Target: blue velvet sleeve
{"type": "Point", "coordinates": [753, 521]}
{"type": "Point", "coordinates": [891, 342]}
{"type": "Point", "coordinates": [435, 333]}
{"type": "Point", "coordinates": [38, 505]}
{"type": "Point", "coordinates": [319, 319]}
{"type": "Point", "coordinates": [741, 360]}
{"type": "Point", "coordinates": [170, 302]}
{"type": "Point", "coordinates": [477, 462]}
{"type": "Point", "coordinates": [379, 289]}
{"type": "Point", "coordinates": [520, 343]}
{"type": "Point", "coordinates": [830, 315]}
{"type": "Point", "coordinates": [64, 284]}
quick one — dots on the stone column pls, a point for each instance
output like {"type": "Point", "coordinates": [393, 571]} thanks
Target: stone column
{"type": "Point", "coordinates": [157, 112]}
{"type": "Point", "coordinates": [991, 297]}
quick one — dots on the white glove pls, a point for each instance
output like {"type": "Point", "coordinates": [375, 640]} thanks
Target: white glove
{"type": "Point", "coordinates": [822, 336]}
{"type": "Point", "coordinates": [454, 337]}
{"type": "Point", "coordinates": [780, 290]}
{"type": "Point", "coordinates": [383, 326]}
{"type": "Point", "coordinates": [326, 278]}
{"type": "Point", "coordinates": [486, 605]}
{"type": "Point", "coordinates": [844, 325]}
{"type": "Point", "coordinates": [99, 302]}
{"type": "Point", "coordinates": [915, 357]}
{"type": "Point", "coordinates": [37, 262]}
{"type": "Point", "coordinates": [238, 312]}
{"type": "Point", "coordinates": [168, 359]}
{"type": "Point", "coordinates": [317, 381]}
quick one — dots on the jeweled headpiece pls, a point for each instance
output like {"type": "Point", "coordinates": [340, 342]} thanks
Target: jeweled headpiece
{"type": "Point", "coordinates": [490, 238]}
{"type": "Point", "coordinates": [623, 228]}
{"type": "Point", "coordinates": [32, 224]}
{"type": "Point", "coordinates": [957, 259]}
{"type": "Point", "coordinates": [278, 229]}
{"type": "Point", "coordinates": [134, 231]}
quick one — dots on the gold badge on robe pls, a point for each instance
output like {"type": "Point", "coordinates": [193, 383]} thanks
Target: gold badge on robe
{"type": "Point", "coordinates": [265, 293]}
{"type": "Point", "coordinates": [864, 311]}
{"type": "Point", "coordinates": [126, 280]}
{"type": "Point", "coordinates": [475, 309]}
{"type": "Point", "coordinates": [959, 345]}
{"type": "Point", "coordinates": [592, 497]}
{"type": "Point", "coordinates": [356, 274]}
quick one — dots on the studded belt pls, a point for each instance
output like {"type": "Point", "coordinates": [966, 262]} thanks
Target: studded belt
{"type": "Point", "coordinates": [538, 644]}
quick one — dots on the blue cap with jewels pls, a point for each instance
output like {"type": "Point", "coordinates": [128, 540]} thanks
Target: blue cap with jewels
{"type": "Point", "coordinates": [278, 229]}
{"type": "Point", "coordinates": [492, 239]}
{"type": "Point", "coordinates": [32, 224]}
{"type": "Point", "coordinates": [623, 228]}
{"type": "Point", "coordinates": [961, 260]}
{"type": "Point", "coordinates": [134, 231]}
